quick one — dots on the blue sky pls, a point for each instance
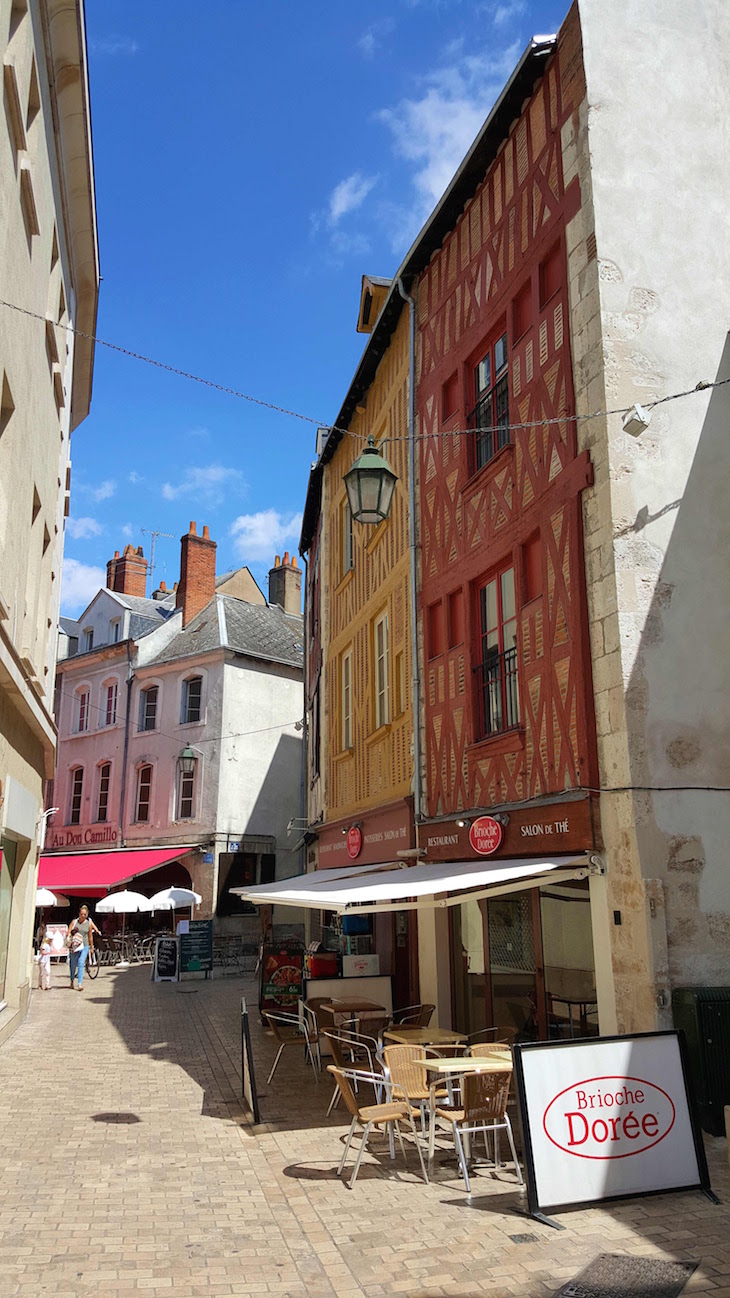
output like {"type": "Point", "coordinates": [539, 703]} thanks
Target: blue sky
{"type": "Point", "coordinates": [252, 162]}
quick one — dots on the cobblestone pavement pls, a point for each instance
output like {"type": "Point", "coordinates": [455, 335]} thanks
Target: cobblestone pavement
{"type": "Point", "coordinates": [127, 1165]}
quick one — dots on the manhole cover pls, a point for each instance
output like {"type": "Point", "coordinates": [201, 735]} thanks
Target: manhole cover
{"type": "Point", "coordinates": [115, 1117]}
{"type": "Point", "coordinates": [523, 1239]}
{"type": "Point", "coordinates": [612, 1275]}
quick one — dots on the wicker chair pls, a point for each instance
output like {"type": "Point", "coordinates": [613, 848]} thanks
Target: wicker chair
{"type": "Point", "coordinates": [496, 1037]}
{"type": "Point", "coordinates": [406, 1079]}
{"type": "Point", "coordinates": [416, 1016]}
{"type": "Point", "coordinates": [484, 1108]}
{"type": "Point", "coordinates": [390, 1115]}
{"type": "Point", "coordinates": [289, 1030]}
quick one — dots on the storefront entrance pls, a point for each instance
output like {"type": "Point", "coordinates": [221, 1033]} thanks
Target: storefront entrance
{"type": "Point", "coordinates": [525, 962]}
{"type": "Point", "coordinates": [7, 880]}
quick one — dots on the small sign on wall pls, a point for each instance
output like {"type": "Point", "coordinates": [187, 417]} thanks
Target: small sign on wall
{"type": "Point", "coordinates": [607, 1119]}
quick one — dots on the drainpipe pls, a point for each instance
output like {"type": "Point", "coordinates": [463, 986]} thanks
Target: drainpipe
{"type": "Point", "coordinates": [413, 544]}
{"type": "Point", "coordinates": [122, 796]}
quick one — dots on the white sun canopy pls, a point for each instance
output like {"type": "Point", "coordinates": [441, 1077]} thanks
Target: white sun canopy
{"type": "Point", "coordinates": [395, 887]}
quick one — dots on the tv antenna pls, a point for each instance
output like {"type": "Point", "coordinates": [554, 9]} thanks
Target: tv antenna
{"type": "Point", "coordinates": [154, 533]}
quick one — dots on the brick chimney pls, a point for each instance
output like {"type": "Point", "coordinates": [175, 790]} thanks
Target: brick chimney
{"type": "Point", "coordinates": [127, 575]}
{"type": "Point", "coordinates": [197, 573]}
{"type": "Point", "coordinates": [162, 592]}
{"type": "Point", "coordinates": [285, 584]}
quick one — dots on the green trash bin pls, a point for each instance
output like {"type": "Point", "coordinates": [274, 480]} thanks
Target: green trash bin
{"type": "Point", "coordinates": [703, 1014]}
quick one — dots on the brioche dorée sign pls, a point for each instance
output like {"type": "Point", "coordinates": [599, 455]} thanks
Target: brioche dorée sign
{"type": "Point", "coordinates": [485, 835]}
{"type": "Point", "coordinates": [607, 1118]}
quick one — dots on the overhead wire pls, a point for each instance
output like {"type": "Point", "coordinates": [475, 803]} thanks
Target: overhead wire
{"type": "Point", "coordinates": [702, 386]}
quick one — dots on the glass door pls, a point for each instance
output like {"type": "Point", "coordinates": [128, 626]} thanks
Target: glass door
{"type": "Point", "coordinates": [470, 968]}
{"type": "Point", "coordinates": [515, 977]}
{"type": "Point", "coordinates": [570, 977]}
{"type": "Point", "coordinates": [7, 878]}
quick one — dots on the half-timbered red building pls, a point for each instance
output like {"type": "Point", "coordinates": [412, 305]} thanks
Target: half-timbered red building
{"type": "Point", "coordinates": [508, 713]}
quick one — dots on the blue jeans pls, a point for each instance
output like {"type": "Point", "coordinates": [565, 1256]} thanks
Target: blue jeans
{"type": "Point", "coordinates": [76, 962]}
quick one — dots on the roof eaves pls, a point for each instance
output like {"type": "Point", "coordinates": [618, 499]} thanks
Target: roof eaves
{"type": "Point", "coordinates": [312, 506]}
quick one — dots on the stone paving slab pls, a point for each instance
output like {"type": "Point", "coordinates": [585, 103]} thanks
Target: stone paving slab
{"type": "Point", "coordinates": [129, 1166]}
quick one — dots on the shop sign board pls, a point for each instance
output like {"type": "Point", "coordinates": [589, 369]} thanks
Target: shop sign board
{"type": "Point", "coordinates": [94, 836]}
{"type": "Point", "coordinates": [541, 830]}
{"type": "Point", "coordinates": [485, 835]}
{"type": "Point", "coordinates": [166, 964]}
{"type": "Point", "coordinates": [382, 834]}
{"type": "Point", "coordinates": [606, 1119]}
{"type": "Point", "coordinates": [354, 842]}
{"type": "Point", "coordinates": [281, 979]}
{"type": "Point", "coordinates": [196, 947]}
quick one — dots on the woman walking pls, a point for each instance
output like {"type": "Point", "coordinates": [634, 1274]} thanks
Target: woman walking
{"type": "Point", "coordinates": [83, 928]}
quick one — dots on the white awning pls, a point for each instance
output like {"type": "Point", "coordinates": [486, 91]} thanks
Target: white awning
{"type": "Point", "coordinates": [366, 889]}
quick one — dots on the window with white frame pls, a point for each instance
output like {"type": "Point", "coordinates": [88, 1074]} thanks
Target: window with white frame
{"type": "Point", "coordinates": [115, 627]}
{"type": "Point", "coordinates": [382, 671]}
{"type": "Point", "coordinates": [144, 793]}
{"type": "Point", "coordinates": [346, 698]}
{"type": "Point", "coordinates": [88, 638]}
{"type": "Point", "coordinates": [148, 708]}
{"type": "Point", "coordinates": [77, 790]}
{"type": "Point", "coordinates": [192, 695]}
{"type": "Point", "coordinates": [185, 794]}
{"type": "Point", "coordinates": [81, 711]}
{"type": "Point", "coordinates": [102, 806]}
{"type": "Point", "coordinates": [110, 704]}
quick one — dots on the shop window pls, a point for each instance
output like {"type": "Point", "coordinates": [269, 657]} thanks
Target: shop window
{"type": "Point", "coordinates": [522, 310]}
{"type": "Point", "coordinates": [450, 396]}
{"type": "Point", "coordinates": [235, 870]}
{"type": "Point", "coordinates": [268, 867]}
{"type": "Point", "coordinates": [551, 274]}
{"type": "Point", "coordinates": [435, 619]}
{"type": "Point", "coordinates": [102, 806]}
{"type": "Point", "coordinates": [382, 671]}
{"type": "Point", "coordinates": [346, 699]}
{"type": "Point", "coordinates": [191, 699]}
{"type": "Point", "coordinates": [456, 618]}
{"type": "Point", "coordinates": [489, 419]}
{"type": "Point", "coordinates": [7, 881]}
{"type": "Point", "coordinates": [496, 669]}
{"type": "Point", "coordinates": [144, 793]}
{"type": "Point", "coordinates": [148, 708]}
{"type": "Point", "coordinates": [533, 567]}
{"type": "Point", "coordinates": [77, 789]}
{"type": "Point", "coordinates": [110, 703]}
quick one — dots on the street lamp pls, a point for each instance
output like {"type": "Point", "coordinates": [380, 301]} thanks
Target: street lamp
{"type": "Point", "coordinates": [186, 761]}
{"type": "Point", "coordinates": [370, 484]}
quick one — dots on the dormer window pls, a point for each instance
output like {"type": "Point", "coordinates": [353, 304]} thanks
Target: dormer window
{"type": "Point", "coordinates": [114, 630]}
{"type": "Point", "coordinates": [88, 638]}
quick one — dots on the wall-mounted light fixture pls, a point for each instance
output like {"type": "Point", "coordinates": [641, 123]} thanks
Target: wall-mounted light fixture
{"type": "Point", "coordinates": [636, 420]}
{"type": "Point", "coordinates": [463, 824]}
{"type": "Point", "coordinates": [370, 484]}
{"type": "Point", "coordinates": [186, 761]}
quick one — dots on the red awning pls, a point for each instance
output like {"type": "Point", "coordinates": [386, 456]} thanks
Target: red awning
{"type": "Point", "coordinates": [92, 874]}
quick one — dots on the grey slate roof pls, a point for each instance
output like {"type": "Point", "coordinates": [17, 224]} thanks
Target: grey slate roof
{"type": "Point", "coordinates": [69, 627]}
{"type": "Point", "coordinates": [263, 632]}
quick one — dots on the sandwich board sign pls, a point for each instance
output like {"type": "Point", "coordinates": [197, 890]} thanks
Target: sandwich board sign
{"type": "Point", "coordinates": [606, 1119]}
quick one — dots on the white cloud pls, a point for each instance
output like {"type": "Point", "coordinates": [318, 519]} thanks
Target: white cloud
{"type": "Point", "coordinates": [374, 38]}
{"type": "Point", "coordinates": [128, 531]}
{"type": "Point", "coordinates": [205, 481]}
{"type": "Point", "coordinates": [80, 583]}
{"type": "Point", "coordinates": [433, 131]}
{"type": "Point", "coordinates": [349, 195]}
{"type": "Point", "coordinates": [113, 45]}
{"type": "Point", "coordinates": [504, 13]}
{"type": "Point", "coordinates": [199, 432]}
{"type": "Point", "coordinates": [82, 528]}
{"type": "Point", "coordinates": [135, 477]}
{"type": "Point", "coordinates": [261, 536]}
{"type": "Point", "coordinates": [105, 490]}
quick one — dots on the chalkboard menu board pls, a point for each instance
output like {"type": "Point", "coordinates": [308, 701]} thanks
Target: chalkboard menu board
{"type": "Point", "coordinates": [167, 960]}
{"type": "Point", "coordinates": [196, 947]}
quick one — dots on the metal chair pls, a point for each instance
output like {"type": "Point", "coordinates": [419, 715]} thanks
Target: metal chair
{"type": "Point", "coordinates": [390, 1114]}
{"type": "Point", "coordinates": [484, 1108]}
{"type": "Point", "coordinates": [349, 1050]}
{"type": "Point", "coordinates": [497, 1036]}
{"type": "Point", "coordinates": [418, 1016]}
{"type": "Point", "coordinates": [289, 1030]}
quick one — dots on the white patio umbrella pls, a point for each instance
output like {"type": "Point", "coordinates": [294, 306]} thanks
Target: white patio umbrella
{"type": "Point", "coordinates": [174, 899]}
{"type": "Point", "coordinates": [44, 897]}
{"type": "Point", "coordinates": [123, 903]}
